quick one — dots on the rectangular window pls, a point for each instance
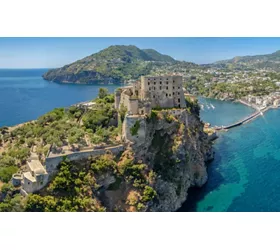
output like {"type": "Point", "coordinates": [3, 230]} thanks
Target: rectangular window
{"type": "Point", "coordinates": [173, 87]}
{"type": "Point", "coordinates": [154, 83]}
{"type": "Point", "coordinates": [178, 93]}
{"type": "Point", "coordinates": [154, 88]}
{"type": "Point", "coordinates": [166, 82]}
{"type": "Point", "coordinates": [148, 83]}
{"type": "Point", "coordinates": [150, 88]}
{"type": "Point", "coordinates": [178, 99]}
{"type": "Point", "coordinates": [173, 93]}
{"type": "Point", "coordinates": [154, 96]}
{"type": "Point", "coordinates": [166, 94]}
{"type": "Point", "coordinates": [167, 87]}
{"type": "Point", "coordinates": [178, 87]}
{"type": "Point", "coordinates": [173, 81]}
{"type": "Point", "coordinates": [160, 87]}
{"type": "Point", "coordinates": [169, 94]}
{"type": "Point", "coordinates": [159, 82]}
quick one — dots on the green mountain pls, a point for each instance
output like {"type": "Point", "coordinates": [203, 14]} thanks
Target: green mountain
{"type": "Point", "coordinates": [269, 61]}
{"type": "Point", "coordinates": [113, 64]}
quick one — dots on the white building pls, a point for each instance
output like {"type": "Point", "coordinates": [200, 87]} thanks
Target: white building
{"type": "Point", "coordinates": [36, 178]}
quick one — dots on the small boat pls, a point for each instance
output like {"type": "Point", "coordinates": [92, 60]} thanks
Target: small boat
{"type": "Point", "coordinates": [213, 107]}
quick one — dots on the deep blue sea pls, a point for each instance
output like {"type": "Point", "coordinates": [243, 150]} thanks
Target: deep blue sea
{"type": "Point", "coordinates": [25, 95]}
{"type": "Point", "coordinates": [244, 176]}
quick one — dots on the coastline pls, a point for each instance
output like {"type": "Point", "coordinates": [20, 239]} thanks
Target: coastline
{"type": "Point", "coordinates": [259, 111]}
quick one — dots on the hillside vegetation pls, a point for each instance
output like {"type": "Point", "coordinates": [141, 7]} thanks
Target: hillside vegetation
{"type": "Point", "coordinates": [113, 64]}
{"type": "Point", "coordinates": [63, 129]}
{"type": "Point", "coordinates": [268, 61]}
{"type": "Point", "coordinates": [150, 175]}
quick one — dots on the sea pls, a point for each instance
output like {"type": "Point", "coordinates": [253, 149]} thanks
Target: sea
{"type": "Point", "coordinates": [245, 174]}
{"type": "Point", "coordinates": [25, 95]}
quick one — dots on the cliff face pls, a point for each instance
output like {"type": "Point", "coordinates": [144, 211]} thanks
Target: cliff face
{"type": "Point", "coordinates": [172, 143]}
{"type": "Point", "coordinates": [162, 157]}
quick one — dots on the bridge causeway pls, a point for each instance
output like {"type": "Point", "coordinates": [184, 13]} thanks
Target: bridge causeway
{"type": "Point", "coordinates": [246, 119]}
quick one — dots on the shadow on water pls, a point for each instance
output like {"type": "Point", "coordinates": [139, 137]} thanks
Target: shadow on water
{"type": "Point", "coordinates": [215, 180]}
{"type": "Point", "coordinates": [195, 194]}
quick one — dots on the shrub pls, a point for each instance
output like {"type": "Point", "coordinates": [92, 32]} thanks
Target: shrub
{"type": "Point", "coordinates": [37, 203]}
{"type": "Point", "coordinates": [169, 118]}
{"type": "Point", "coordinates": [122, 111]}
{"type": "Point", "coordinates": [103, 92]}
{"type": "Point", "coordinates": [148, 194]}
{"type": "Point", "coordinates": [134, 129]}
{"type": "Point", "coordinates": [140, 206]}
{"type": "Point", "coordinates": [7, 187]}
{"type": "Point", "coordinates": [103, 163]}
{"type": "Point", "coordinates": [7, 172]}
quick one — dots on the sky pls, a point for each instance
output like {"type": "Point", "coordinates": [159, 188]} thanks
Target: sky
{"type": "Point", "coordinates": [56, 52]}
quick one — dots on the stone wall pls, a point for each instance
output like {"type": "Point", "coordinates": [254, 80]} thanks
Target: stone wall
{"type": "Point", "coordinates": [163, 91]}
{"type": "Point", "coordinates": [129, 122]}
{"type": "Point", "coordinates": [53, 162]}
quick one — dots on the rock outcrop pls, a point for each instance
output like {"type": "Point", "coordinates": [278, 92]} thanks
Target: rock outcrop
{"type": "Point", "coordinates": [172, 143]}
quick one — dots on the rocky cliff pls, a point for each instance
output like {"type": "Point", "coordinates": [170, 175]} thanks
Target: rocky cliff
{"type": "Point", "coordinates": [164, 155]}
{"type": "Point", "coordinates": [175, 148]}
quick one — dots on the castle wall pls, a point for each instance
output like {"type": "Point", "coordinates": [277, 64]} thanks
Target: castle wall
{"type": "Point", "coordinates": [129, 122]}
{"type": "Point", "coordinates": [165, 92]}
{"type": "Point", "coordinates": [124, 100]}
{"type": "Point", "coordinates": [117, 99]}
{"type": "Point", "coordinates": [133, 106]}
{"type": "Point", "coordinates": [53, 162]}
{"type": "Point", "coordinates": [155, 92]}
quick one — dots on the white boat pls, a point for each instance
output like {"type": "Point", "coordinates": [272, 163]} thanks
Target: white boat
{"type": "Point", "coordinates": [213, 107]}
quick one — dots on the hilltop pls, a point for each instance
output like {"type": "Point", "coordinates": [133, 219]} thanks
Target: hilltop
{"type": "Point", "coordinates": [269, 61]}
{"type": "Point", "coordinates": [113, 64]}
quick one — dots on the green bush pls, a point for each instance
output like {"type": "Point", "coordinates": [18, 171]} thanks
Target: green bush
{"type": "Point", "coordinates": [37, 203]}
{"type": "Point", "coordinates": [103, 92]}
{"type": "Point", "coordinates": [103, 163]}
{"type": "Point", "coordinates": [148, 194]}
{"type": "Point", "coordinates": [7, 172]}
{"type": "Point", "coordinates": [134, 129]}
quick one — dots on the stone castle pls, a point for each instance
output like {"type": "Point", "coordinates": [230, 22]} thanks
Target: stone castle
{"type": "Point", "coordinates": [151, 92]}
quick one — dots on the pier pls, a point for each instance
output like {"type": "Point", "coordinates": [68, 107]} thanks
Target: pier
{"type": "Point", "coordinates": [249, 118]}
{"type": "Point", "coordinates": [246, 119]}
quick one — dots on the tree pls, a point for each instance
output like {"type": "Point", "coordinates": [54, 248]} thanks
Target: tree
{"type": "Point", "coordinates": [6, 173]}
{"type": "Point", "coordinates": [103, 92]}
{"type": "Point", "coordinates": [37, 203]}
{"type": "Point", "coordinates": [148, 194]}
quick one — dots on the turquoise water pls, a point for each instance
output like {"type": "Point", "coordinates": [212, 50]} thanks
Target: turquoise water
{"type": "Point", "coordinates": [222, 112]}
{"type": "Point", "coordinates": [245, 174]}
{"type": "Point", "coordinates": [25, 95]}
